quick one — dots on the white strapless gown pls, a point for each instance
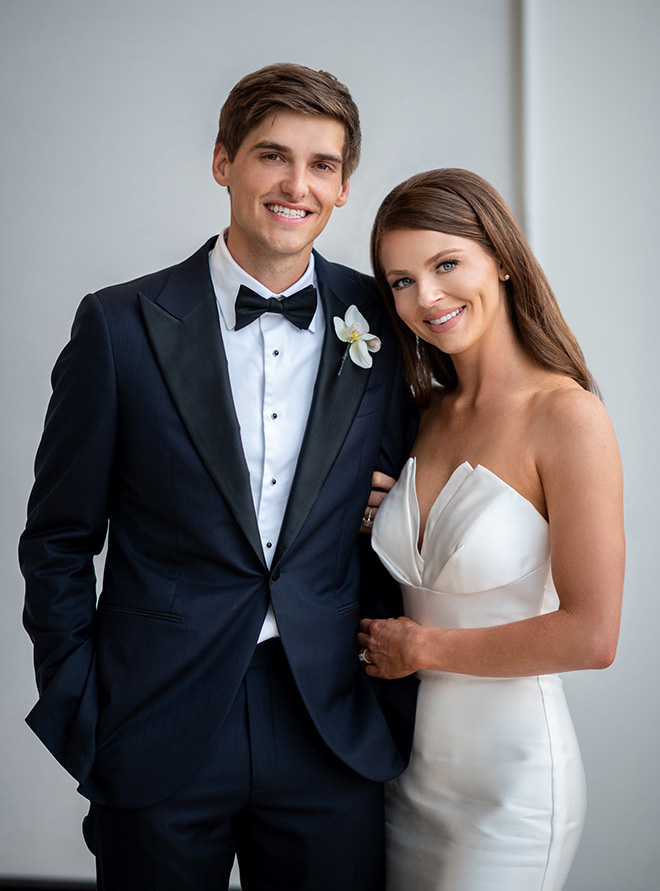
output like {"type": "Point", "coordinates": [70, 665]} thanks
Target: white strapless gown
{"type": "Point", "coordinates": [494, 797]}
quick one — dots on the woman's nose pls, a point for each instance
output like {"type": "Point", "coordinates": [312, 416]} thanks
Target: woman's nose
{"type": "Point", "coordinates": [429, 292]}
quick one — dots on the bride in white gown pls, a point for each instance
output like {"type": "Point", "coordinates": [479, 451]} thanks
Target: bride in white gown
{"type": "Point", "coordinates": [515, 470]}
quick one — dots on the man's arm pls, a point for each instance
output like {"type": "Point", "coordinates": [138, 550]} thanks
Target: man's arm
{"type": "Point", "coordinates": [378, 590]}
{"type": "Point", "coordinates": [66, 527]}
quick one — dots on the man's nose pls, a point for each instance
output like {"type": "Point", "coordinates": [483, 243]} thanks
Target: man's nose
{"type": "Point", "coordinates": [294, 183]}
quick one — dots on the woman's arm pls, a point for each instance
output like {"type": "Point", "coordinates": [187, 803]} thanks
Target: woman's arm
{"type": "Point", "coordinates": [580, 470]}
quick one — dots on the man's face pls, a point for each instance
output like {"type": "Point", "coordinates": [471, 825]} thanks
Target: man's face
{"type": "Point", "coordinates": [284, 182]}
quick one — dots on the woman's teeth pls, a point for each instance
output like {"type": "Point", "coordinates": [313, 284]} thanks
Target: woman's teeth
{"type": "Point", "coordinates": [446, 318]}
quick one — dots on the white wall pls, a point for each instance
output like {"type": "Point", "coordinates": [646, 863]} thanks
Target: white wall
{"type": "Point", "coordinates": [593, 150]}
{"type": "Point", "coordinates": [108, 115]}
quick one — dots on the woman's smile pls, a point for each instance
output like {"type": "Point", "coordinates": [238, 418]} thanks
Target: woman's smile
{"type": "Point", "coordinates": [444, 319]}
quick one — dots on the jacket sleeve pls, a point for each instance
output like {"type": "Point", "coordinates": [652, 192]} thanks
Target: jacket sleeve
{"type": "Point", "coordinates": [66, 526]}
{"type": "Point", "coordinates": [380, 594]}
{"type": "Point", "coordinates": [400, 429]}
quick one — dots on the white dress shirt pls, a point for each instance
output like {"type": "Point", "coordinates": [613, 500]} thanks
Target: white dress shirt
{"type": "Point", "coordinates": [272, 371]}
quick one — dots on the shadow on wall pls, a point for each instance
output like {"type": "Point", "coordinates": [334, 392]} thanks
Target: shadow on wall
{"type": "Point", "coordinates": [45, 885]}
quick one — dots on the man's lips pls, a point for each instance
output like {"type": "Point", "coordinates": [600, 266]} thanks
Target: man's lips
{"type": "Point", "coordinates": [451, 314]}
{"type": "Point", "coordinates": [288, 213]}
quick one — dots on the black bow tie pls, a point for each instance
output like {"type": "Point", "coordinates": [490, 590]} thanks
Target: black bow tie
{"type": "Point", "coordinates": [298, 308]}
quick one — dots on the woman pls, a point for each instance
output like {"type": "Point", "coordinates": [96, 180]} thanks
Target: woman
{"type": "Point", "coordinates": [515, 468]}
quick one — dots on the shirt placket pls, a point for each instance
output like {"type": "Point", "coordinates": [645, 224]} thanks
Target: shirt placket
{"type": "Point", "coordinates": [271, 482]}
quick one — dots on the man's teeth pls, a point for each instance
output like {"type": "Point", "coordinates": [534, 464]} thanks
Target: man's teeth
{"type": "Point", "coordinates": [446, 318]}
{"type": "Point", "coordinates": [287, 211]}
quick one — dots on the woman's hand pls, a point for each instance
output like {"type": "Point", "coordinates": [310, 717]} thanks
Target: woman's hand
{"type": "Point", "coordinates": [390, 646]}
{"type": "Point", "coordinates": [381, 484]}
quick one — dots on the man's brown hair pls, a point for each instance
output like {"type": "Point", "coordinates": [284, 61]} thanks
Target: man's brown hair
{"type": "Point", "coordinates": [294, 88]}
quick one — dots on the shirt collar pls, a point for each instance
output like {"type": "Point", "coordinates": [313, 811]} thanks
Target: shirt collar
{"type": "Point", "coordinates": [227, 277]}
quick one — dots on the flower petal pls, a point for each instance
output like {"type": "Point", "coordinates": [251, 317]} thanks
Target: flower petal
{"type": "Point", "coordinates": [341, 329]}
{"type": "Point", "coordinates": [354, 317]}
{"type": "Point", "coordinates": [373, 343]}
{"type": "Point", "coordinates": [360, 354]}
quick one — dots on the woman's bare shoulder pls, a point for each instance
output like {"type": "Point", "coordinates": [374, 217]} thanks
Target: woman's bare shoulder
{"type": "Point", "coordinates": [562, 406]}
{"type": "Point", "coordinates": [568, 420]}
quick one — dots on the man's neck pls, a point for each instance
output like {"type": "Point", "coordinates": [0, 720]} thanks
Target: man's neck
{"type": "Point", "coordinates": [275, 272]}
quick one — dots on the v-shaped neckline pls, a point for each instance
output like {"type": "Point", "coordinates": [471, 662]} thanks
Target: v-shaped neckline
{"type": "Point", "coordinates": [448, 491]}
{"type": "Point", "coordinates": [443, 497]}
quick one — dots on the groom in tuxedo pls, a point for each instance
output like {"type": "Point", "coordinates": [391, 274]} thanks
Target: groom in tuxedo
{"type": "Point", "coordinates": [210, 422]}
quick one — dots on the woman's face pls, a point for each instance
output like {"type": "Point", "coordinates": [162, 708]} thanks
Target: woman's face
{"type": "Point", "coordinates": [447, 289]}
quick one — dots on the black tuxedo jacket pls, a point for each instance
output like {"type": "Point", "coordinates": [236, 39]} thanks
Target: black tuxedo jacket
{"type": "Point", "coordinates": [141, 444]}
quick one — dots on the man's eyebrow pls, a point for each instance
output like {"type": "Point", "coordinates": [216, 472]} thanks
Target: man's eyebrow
{"type": "Point", "coordinates": [286, 150]}
{"type": "Point", "coordinates": [321, 156]}
{"type": "Point", "coordinates": [274, 146]}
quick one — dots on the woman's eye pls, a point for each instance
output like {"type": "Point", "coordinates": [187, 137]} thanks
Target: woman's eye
{"type": "Point", "coordinates": [447, 265]}
{"type": "Point", "coordinates": [401, 283]}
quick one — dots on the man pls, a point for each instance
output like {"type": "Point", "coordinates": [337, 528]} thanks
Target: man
{"type": "Point", "coordinates": [211, 420]}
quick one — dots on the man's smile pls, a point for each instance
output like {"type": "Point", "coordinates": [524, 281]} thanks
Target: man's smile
{"type": "Point", "coordinates": [290, 213]}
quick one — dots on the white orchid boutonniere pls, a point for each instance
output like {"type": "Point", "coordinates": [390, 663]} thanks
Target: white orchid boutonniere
{"type": "Point", "coordinates": [353, 330]}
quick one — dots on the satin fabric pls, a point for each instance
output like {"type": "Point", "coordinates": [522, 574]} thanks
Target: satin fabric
{"type": "Point", "coordinates": [494, 797]}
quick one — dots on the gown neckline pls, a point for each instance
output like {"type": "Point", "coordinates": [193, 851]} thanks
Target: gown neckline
{"type": "Point", "coordinates": [464, 466]}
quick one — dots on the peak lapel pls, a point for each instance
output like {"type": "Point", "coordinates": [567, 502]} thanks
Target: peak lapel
{"type": "Point", "coordinates": [192, 360]}
{"type": "Point", "coordinates": [335, 403]}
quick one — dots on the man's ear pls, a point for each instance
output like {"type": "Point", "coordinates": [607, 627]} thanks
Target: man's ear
{"type": "Point", "coordinates": [220, 163]}
{"type": "Point", "coordinates": [343, 194]}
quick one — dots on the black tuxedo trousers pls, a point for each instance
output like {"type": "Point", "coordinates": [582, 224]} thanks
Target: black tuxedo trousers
{"type": "Point", "coordinates": [270, 790]}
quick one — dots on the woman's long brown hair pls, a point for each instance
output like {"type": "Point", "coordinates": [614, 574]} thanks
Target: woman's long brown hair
{"type": "Point", "coordinates": [459, 202]}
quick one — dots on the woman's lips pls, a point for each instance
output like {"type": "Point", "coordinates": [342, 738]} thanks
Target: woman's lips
{"type": "Point", "coordinates": [445, 318]}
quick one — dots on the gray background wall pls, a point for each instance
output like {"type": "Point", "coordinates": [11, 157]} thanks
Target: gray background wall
{"type": "Point", "coordinates": [108, 115]}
